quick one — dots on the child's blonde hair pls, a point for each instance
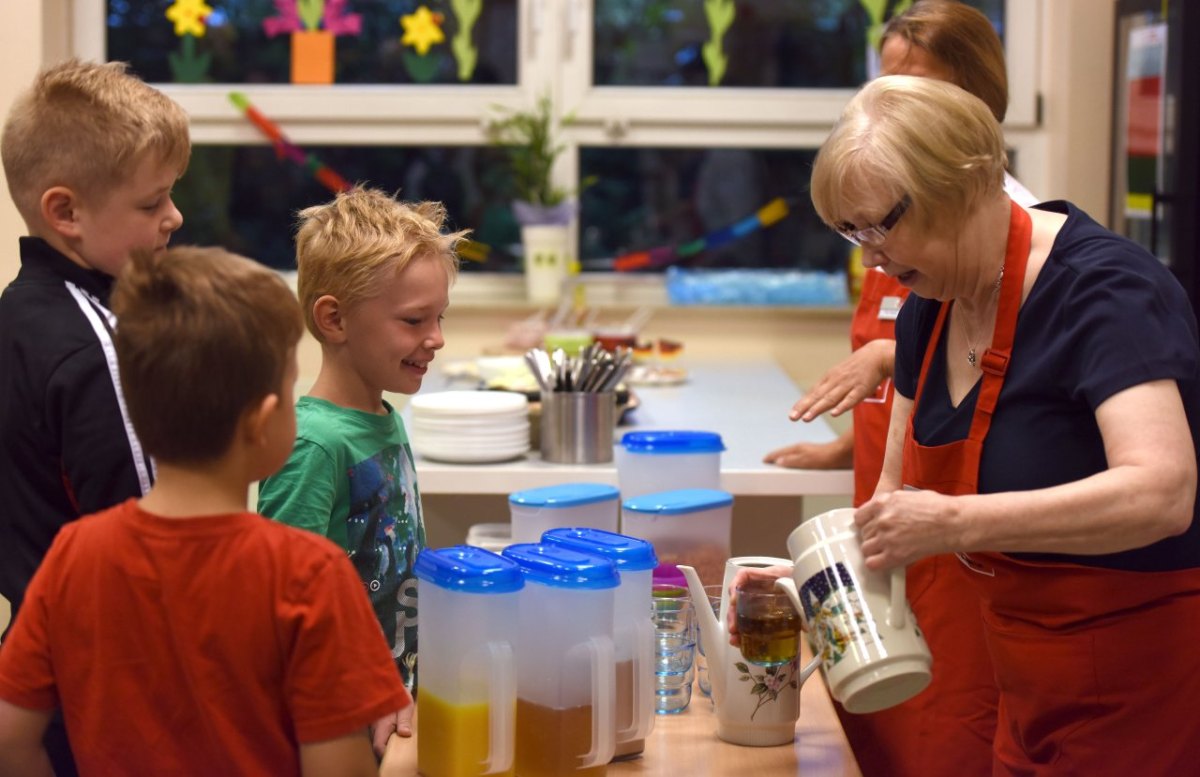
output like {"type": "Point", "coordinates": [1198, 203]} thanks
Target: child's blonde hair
{"type": "Point", "coordinates": [344, 247]}
{"type": "Point", "coordinates": [86, 126]}
{"type": "Point", "coordinates": [205, 335]}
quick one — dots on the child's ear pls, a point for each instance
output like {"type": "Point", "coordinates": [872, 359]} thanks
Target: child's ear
{"type": "Point", "coordinates": [258, 418]}
{"type": "Point", "coordinates": [59, 205]}
{"type": "Point", "coordinates": [327, 315]}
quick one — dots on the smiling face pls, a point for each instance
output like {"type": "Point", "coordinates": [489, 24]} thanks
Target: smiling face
{"type": "Point", "coordinates": [392, 337]}
{"type": "Point", "coordinates": [138, 214]}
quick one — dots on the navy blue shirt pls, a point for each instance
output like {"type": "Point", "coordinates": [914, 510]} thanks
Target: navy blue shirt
{"type": "Point", "coordinates": [1103, 315]}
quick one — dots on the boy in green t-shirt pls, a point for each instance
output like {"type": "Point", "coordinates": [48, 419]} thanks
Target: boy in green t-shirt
{"type": "Point", "coordinates": [374, 279]}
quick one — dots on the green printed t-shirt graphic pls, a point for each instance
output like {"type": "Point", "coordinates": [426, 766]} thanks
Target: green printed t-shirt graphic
{"type": "Point", "coordinates": [351, 478]}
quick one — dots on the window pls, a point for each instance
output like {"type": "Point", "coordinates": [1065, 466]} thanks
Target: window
{"type": "Point", "coordinates": [690, 120]}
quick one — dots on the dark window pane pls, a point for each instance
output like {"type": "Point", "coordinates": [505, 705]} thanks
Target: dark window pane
{"type": "Point", "coordinates": [769, 43]}
{"type": "Point", "coordinates": [246, 199]}
{"type": "Point", "coordinates": [647, 198]}
{"type": "Point", "coordinates": [235, 48]}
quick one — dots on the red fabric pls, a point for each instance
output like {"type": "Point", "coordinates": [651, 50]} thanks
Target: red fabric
{"type": "Point", "coordinates": [873, 414]}
{"type": "Point", "coordinates": [1096, 668]}
{"type": "Point", "coordinates": [200, 646]}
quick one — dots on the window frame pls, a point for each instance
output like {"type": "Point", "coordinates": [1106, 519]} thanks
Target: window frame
{"type": "Point", "coordinates": [555, 58]}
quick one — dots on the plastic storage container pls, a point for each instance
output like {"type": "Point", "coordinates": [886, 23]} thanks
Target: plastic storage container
{"type": "Point", "coordinates": [691, 526]}
{"type": "Point", "coordinates": [467, 704]}
{"type": "Point", "coordinates": [633, 630]}
{"type": "Point", "coordinates": [490, 536]}
{"type": "Point", "coordinates": [572, 505]}
{"type": "Point", "coordinates": [652, 462]}
{"type": "Point", "coordinates": [566, 675]}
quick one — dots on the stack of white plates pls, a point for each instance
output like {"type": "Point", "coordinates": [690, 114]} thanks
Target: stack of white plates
{"type": "Point", "coordinates": [470, 426]}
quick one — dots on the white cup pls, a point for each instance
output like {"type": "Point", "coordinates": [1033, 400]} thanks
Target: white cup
{"type": "Point", "coordinates": [858, 621]}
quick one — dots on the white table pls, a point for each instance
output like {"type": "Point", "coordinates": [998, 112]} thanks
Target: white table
{"type": "Point", "coordinates": [745, 402]}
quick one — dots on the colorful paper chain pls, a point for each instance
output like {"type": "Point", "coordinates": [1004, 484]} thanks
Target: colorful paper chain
{"type": "Point", "coordinates": [766, 216]}
{"type": "Point", "coordinates": [285, 149]}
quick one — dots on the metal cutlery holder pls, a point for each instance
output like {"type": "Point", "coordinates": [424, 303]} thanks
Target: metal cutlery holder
{"type": "Point", "coordinates": [577, 426]}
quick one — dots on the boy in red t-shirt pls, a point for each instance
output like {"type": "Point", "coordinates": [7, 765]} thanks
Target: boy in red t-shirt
{"type": "Point", "coordinates": [180, 633]}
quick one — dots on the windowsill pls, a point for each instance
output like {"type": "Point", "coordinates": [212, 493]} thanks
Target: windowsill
{"type": "Point", "coordinates": [502, 291]}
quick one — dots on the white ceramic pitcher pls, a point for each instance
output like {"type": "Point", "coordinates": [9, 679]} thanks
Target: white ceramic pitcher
{"type": "Point", "coordinates": [755, 705]}
{"type": "Point", "coordinates": [858, 620]}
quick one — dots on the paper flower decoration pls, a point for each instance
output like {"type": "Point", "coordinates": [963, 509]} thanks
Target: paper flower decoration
{"type": "Point", "coordinates": [302, 15]}
{"type": "Point", "coordinates": [188, 17]}
{"type": "Point", "coordinates": [422, 29]}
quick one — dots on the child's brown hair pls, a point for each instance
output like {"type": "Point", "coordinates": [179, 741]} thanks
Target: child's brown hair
{"type": "Point", "coordinates": [204, 335]}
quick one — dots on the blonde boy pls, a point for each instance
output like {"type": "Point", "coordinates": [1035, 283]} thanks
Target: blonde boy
{"type": "Point", "coordinates": [180, 633]}
{"type": "Point", "coordinates": [90, 154]}
{"type": "Point", "coordinates": [374, 279]}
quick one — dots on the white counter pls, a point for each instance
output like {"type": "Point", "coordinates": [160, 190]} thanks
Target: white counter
{"type": "Point", "coordinates": [745, 402]}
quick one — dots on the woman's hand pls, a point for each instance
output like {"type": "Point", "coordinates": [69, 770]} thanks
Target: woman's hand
{"type": "Point", "coordinates": [900, 527]}
{"type": "Point", "coordinates": [848, 382]}
{"type": "Point", "coordinates": [744, 575]}
{"type": "Point", "coordinates": [837, 454]}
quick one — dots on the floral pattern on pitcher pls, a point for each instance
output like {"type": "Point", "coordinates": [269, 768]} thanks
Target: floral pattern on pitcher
{"type": "Point", "coordinates": [769, 683]}
{"type": "Point", "coordinates": [834, 611]}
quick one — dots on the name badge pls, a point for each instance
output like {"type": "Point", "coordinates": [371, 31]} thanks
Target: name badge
{"type": "Point", "coordinates": [889, 308]}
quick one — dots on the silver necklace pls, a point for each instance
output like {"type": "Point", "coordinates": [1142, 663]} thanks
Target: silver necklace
{"type": "Point", "coordinates": [971, 358]}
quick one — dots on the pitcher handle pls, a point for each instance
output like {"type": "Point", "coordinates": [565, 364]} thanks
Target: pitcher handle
{"type": "Point", "coordinates": [604, 743]}
{"type": "Point", "coordinates": [502, 694]}
{"type": "Point", "coordinates": [898, 605]}
{"type": "Point", "coordinates": [643, 683]}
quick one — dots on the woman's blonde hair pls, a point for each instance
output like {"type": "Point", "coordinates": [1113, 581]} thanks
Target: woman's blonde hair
{"type": "Point", "coordinates": [87, 126]}
{"type": "Point", "coordinates": [903, 136]}
{"type": "Point", "coordinates": [963, 41]}
{"type": "Point", "coordinates": [344, 247]}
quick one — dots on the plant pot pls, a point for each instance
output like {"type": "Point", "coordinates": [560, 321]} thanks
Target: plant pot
{"type": "Point", "coordinates": [312, 57]}
{"type": "Point", "coordinates": [547, 261]}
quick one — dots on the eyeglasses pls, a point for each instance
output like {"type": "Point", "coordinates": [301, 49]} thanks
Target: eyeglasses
{"type": "Point", "coordinates": [876, 233]}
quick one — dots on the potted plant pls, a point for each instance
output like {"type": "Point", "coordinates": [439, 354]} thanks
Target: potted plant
{"type": "Point", "coordinates": [544, 211]}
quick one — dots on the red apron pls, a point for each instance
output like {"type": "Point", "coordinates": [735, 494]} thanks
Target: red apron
{"type": "Point", "coordinates": [948, 728]}
{"type": "Point", "coordinates": [1096, 668]}
{"type": "Point", "coordinates": [874, 319]}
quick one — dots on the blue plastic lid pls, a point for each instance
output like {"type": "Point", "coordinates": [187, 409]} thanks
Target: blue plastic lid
{"type": "Point", "coordinates": [687, 500]}
{"type": "Point", "coordinates": [469, 569]}
{"type": "Point", "coordinates": [672, 442]}
{"type": "Point", "coordinates": [565, 495]}
{"type": "Point", "coordinates": [563, 567]}
{"type": "Point", "coordinates": [628, 553]}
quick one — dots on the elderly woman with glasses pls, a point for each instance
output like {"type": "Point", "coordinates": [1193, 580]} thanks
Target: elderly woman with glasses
{"type": "Point", "coordinates": [1044, 432]}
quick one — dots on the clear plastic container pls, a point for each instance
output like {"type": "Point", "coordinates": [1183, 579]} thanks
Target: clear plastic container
{"type": "Point", "coordinates": [572, 505]}
{"type": "Point", "coordinates": [469, 621]}
{"type": "Point", "coordinates": [566, 673]}
{"type": "Point", "coordinates": [633, 629]}
{"type": "Point", "coordinates": [654, 461]}
{"type": "Point", "coordinates": [690, 526]}
{"type": "Point", "coordinates": [490, 536]}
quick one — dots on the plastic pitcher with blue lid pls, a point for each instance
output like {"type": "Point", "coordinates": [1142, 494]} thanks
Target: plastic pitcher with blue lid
{"type": "Point", "coordinates": [469, 621]}
{"type": "Point", "coordinates": [633, 630]}
{"type": "Point", "coordinates": [566, 674]}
